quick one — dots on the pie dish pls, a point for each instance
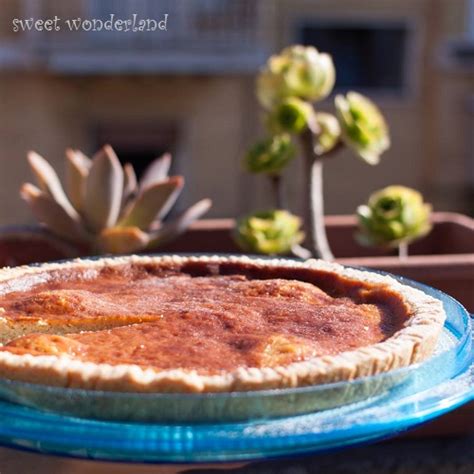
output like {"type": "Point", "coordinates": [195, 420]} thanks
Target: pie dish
{"type": "Point", "coordinates": [207, 324]}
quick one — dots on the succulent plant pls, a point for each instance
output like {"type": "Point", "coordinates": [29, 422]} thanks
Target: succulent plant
{"type": "Point", "coordinates": [269, 232]}
{"type": "Point", "coordinates": [363, 126]}
{"type": "Point", "coordinates": [298, 71]}
{"type": "Point", "coordinates": [270, 155]}
{"type": "Point", "coordinates": [104, 208]}
{"type": "Point", "coordinates": [288, 88]}
{"type": "Point", "coordinates": [393, 215]}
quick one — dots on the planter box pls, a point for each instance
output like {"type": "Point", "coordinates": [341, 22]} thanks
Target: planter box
{"type": "Point", "coordinates": [22, 245]}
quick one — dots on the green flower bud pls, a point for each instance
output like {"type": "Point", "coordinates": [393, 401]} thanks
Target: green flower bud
{"type": "Point", "coordinates": [329, 132]}
{"type": "Point", "coordinates": [271, 86]}
{"type": "Point", "coordinates": [269, 232]}
{"type": "Point", "coordinates": [291, 115]}
{"type": "Point", "coordinates": [271, 155]}
{"type": "Point", "coordinates": [363, 126]}
{"type": "Point", "coordinates": [297, 71]}
{"type": "Point", "coordinates": [393, 215]}
{"type": "Point", "coordinates": [312, 74]}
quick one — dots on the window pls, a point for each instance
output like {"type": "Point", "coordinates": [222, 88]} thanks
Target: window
{"type": "Point", "coordinates": [367, 56]}
{"type": "Point", "coordinates": [139, 145]}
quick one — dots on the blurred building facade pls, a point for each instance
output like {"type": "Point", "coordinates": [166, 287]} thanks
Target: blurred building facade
{"type": "Point", "coordinates": [190, 90]}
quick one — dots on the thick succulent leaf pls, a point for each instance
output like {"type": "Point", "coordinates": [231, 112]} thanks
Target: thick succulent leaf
{"type": "Point", "coordinates": [153, 202]}
{"type": "Point", "coordinates": [170, 230]}
{"type": "Point", "coordinates": [49, 212]}
{"type": "Point", "coordinates": [77, 170]}
{"type": "Point", "coordinates": [130, 184]}
{"type": "Point", "coordinates": [122, 240]}
{"type": "Point", "coordinates": [156, 171]}
{"type": "Point", "coordinates": [104, 188]}
{"type": "Point", "coordinates": [85, 161]}
{"type": "Point", "coordinates": [49, 182]}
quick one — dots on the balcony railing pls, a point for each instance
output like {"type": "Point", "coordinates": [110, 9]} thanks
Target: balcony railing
{"type": "Point", "coordinates": [201, 36]}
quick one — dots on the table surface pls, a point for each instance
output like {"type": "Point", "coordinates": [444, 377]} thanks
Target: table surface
{"type": "Point", "coordinates": [400, 456]}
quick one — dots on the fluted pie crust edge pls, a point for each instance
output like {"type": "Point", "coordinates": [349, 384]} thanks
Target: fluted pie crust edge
{"type": "Point", "coordinates": [413, 343]}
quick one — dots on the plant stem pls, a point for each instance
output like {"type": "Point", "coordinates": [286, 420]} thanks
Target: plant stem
{"type": "Point", "coordinates": [277, 191]}
{"type": "Point", "coordinates": [402, 250]}
{"type": "Point", "coordinates": [314, 201]}
{"type": "Point", "coordinates": [300, 252]}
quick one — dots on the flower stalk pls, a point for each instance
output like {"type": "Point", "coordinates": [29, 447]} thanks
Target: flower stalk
{"type": "Point", "coordinates": [277, 191]}
{"type": "Point", "coordinates": [314, 200]}
{"type": "Point", "coordinates": [403, 250]}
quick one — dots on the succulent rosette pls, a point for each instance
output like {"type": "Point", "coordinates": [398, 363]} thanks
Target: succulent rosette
{"type": "Point", "coordinates": [270, 155]}
{"type": "Point", "coordinates": [393, 215]}
{"type": "Point", "coordinates": [363, 126]}
{"type": "Point", "coordinates": [291, 115]}
{"type": "Point", "coordinates": [329, 132]}
{"type": "Point", "coordinates": [104, 207]}
{"type": "Point", "coordinates": [298, 71]}
{"type": "Point", "coordinates": [269, 232]}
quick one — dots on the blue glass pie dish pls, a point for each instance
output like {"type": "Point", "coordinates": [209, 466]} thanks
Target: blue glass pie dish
{"type": "Point", "coordinates": [278, 422]}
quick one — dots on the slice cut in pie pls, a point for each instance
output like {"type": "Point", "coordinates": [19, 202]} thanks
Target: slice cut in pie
{"type": "Point", "coordinates": [207, 324]}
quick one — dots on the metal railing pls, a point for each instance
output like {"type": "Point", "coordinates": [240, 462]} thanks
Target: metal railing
{"type": "Point", "coordinates": [208, 34]}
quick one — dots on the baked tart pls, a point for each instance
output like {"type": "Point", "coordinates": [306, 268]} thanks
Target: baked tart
{"type": "Point", "coordinates": [207, 324]}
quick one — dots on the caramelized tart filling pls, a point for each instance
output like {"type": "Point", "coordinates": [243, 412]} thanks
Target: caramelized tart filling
{"type": "Point", "coordinates": [211, 323]}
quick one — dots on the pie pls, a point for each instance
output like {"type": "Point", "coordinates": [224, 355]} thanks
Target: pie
{"type": "Point", "coordinates": [207, 324]}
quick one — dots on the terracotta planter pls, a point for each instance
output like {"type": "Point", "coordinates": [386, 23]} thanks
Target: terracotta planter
{"type": "Point", "coordinates": [22, 245]}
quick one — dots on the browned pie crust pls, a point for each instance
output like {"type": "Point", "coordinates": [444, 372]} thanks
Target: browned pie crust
{"type": "Point", "coordinates": [208, 324]}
